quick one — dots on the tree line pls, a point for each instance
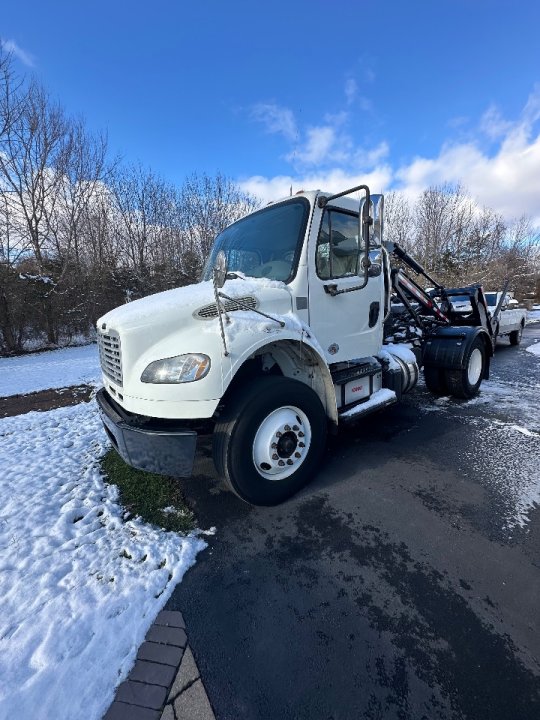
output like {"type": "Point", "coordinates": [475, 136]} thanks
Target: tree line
{"type": "Point", "coordinates": [459, 242]}
{"type": "Point", "coordinates": [81, 233]}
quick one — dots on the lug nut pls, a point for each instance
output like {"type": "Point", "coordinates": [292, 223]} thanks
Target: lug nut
{"type": "Point", "coordinates": [296, 455]}
{"type": "Point", "coordinates": [289, 462]}
{"type": "Point", "coordinates": [287, 428]}
{"type": "Point", "coordinates": [278, 434]}
{"type": "Point", "coordinates": [281, 463]}
{"type": "Point", "coordinates": [275, 456]}
{"type": "Point", "coordinates": [273, 446]}
{"type": "Point", "coordinates": [295, 428]}
{"type": "Point", "coordinates": [300, 434]}
{"type": "Point", "coordinates": [301, 445]}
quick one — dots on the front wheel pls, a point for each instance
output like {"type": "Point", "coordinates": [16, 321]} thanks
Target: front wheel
{"type": "Point", "coordinates": [270, 439]}
{"type": "Point", "coordinates": [465, 383]}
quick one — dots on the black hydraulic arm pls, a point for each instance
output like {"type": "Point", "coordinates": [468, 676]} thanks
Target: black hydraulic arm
{"type": "Point", "coordinates": [500, 303]}
{"type": "Point", "coordinates": [405, 287]}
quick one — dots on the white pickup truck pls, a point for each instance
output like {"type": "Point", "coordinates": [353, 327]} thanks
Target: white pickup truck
{"type": "Point", "coordinates": [512, 318]}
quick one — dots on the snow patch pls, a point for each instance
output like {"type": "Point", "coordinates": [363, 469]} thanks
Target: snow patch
{"type": "Point", "coordinates": [380, 397]}
{"type": "Point", "coordinates": [50, 369]}
{"type": "Point", "coordinates": [403, 352]}
{"type": "Point", "coordinates": [533, 316]}
{"type": "Point", "coordinates": [79, 586]}
{"type": "Point", "coordinates": [534, 349]}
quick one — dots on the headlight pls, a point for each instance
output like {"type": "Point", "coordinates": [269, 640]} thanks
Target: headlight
{"type": "Point", "coordinates": [179, 369]}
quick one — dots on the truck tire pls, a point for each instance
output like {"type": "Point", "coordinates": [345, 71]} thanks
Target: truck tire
{"type": "Point", "coordinates": [270, 439]}
{"type": "Point", "coordinates": [515, 336]}
{"type": "Point", "coordinates": [435, 380]}
{"type": "Point", "coordinates": [465, 383]}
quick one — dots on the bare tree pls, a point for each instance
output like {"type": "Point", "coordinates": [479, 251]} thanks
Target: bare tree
{"type": "Point", "coordinates": [209, 205]}
{"type": "Point", "coordinates": [398, 222]}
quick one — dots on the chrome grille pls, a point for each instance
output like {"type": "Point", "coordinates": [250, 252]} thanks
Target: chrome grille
{"type": "Point", "coordinates": [110, 355]}
{"type": "Point", "coordinates": [210, 311]}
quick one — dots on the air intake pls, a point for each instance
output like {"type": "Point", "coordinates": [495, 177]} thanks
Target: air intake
{"type": "Point", "coordinates": [210, 311]}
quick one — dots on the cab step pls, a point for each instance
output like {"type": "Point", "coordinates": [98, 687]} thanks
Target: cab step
{"type": "Point", "coordinates": [380, 399]}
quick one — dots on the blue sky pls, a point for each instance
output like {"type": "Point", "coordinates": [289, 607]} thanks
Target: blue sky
{"type": "Point", "coordinates": [313, 94]}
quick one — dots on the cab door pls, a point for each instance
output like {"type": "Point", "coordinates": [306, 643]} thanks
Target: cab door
{"type": "Point", "coordinates": [349, 323]}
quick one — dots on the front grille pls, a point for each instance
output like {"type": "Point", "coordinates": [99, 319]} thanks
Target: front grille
{"type": "Point", "coordinates": [110, 355]}
{"type": "Point", "coordinates": [210, 311]}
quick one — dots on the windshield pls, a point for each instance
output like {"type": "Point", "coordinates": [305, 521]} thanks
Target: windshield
{"type": "Point", "coordinates": [264, 244]}
{"type": "Point", "coordinates": [460, 299]}
{"type": "Point", "coordinates": [491, 299]}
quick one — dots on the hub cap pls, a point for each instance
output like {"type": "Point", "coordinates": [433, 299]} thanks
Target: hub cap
{"type": "Point", "coordinates": [281, 443]}
{"type": "Point", "coordinates": [475, 366]}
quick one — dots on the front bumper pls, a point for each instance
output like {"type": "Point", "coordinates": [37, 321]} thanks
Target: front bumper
{"type": "Point", "coordinates": [146, 444]}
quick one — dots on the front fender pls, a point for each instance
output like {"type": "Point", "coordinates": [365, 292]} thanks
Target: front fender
{"type": "Point", "coordinates": [298, 354]}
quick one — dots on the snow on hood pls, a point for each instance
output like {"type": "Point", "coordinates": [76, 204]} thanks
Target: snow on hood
{"type": "Point", "coordinates": [183, 301]}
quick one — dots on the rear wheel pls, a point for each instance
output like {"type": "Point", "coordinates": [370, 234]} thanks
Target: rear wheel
{"type": "Point", "coordinates": [515, 336]}
{"type": "Point", "coordinates": [435, 380]}
{"type": "Point", "coordinates": [268, 443]}
{"type": "Point", "coordinates": [465, 383]}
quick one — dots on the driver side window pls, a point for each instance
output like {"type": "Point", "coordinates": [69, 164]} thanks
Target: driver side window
{"type": "Point", "coordinates": [337, 252]}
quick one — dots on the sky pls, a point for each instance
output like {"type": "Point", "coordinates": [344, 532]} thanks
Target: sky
{"type": "Point", "coordinates": [401, 95]}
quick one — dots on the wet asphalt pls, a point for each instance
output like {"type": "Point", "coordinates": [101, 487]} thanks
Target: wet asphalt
{"type": "Point", "coordinates": [403, 582]}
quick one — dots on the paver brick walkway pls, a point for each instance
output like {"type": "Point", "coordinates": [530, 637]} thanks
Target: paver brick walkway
{"type": "Point", "coordinates": [164, 683]}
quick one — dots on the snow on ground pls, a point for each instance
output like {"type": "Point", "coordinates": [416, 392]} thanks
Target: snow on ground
{"type": "Point", "coordinates": [50, 369]}
{"type": "Point", "coordinates": [533, 316]}
{"type": "Point", "coordinates": [508, 432]}
{"type": "Point", "coordinates": [79, 587]}
{"type": "Point", "coordinates": [534, 349]}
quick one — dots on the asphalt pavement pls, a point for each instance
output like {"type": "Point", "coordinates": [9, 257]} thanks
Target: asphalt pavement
{"type": "Point", "coordinates": [403, 582]}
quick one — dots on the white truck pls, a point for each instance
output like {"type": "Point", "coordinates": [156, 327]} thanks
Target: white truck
{"type": "Point", "coordinates": [511, 319]}
{"type": "Point", "coordinates": [280, 343]}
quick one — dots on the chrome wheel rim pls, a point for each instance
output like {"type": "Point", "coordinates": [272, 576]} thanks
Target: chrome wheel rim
{"type": "Point", "coordinates": [281, 443]}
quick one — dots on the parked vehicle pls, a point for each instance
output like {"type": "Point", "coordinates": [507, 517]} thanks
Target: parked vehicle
{"type": "Point", "coordinates": [281, 342]}
{"type": "Point", "coordinates": [511, 319]}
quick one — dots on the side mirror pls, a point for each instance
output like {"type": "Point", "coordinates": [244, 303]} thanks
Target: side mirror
{"type": "Point", "coordinates": [374, 269]}
{"type": "Point", "coordinates": [377, 213]}
{"type": "Point", "coordinates": [365, 221]}
{"type": "Point", "coordinates": [220, 269]}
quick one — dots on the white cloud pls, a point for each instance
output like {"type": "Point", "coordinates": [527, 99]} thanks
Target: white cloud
{"type": "Point", "coordinates": [319, 146]}
{"type": "Point", "coordinates": [276, 119]}
{"type": "Point", "coordinates": [11, 48]}
{"type": "Point", "coordinates": [505, 178]}
{"type": "Point", "coordinates": [369, 75]}
{"type": "Point", "coordinates": [332, 181]}
{"type": "Point", "coordinates": [493, 124]}
{"type": "Point", "coordinates": [351, 90]}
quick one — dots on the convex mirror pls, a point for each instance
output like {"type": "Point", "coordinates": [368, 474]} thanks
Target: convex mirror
{"type": "Point", "coordinates": [220, 269]}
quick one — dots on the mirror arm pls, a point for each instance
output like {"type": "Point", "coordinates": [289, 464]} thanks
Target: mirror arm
{"type": "Point", "coordinates": [247, 307]}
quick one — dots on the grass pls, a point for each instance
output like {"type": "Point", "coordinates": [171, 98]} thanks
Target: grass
{"type": "Point", "coordinates": [146, 495]}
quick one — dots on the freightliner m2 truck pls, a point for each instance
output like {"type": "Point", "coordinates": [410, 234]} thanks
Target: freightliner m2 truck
{"type": "Point", "coordinates": [281, 342]}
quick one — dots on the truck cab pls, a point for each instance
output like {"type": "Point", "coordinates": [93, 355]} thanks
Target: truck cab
{"type": "Point", "coordinates": [280, 342]}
